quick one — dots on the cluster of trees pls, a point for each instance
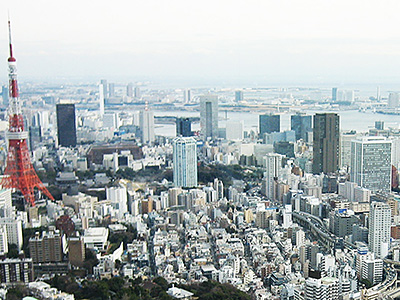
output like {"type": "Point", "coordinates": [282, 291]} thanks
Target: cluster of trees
{"type": "Point", "coordinates": [213, 290]}
{"type": "Point", "coordinates": [122, 288]}
{"type": "Point", "coordinates": [126, 237]}
{"type": "Point", "coordinates": [114, 288]}
{"type": "Point", "coordinates": [144, 175]}
{"type": "Point", "coordinates": [207, 173]}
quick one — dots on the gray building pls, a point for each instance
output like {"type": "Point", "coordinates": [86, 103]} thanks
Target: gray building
{"type": "Point", "coordinates": [326, 143]}
{"type": "Point", "coordinates": [341, 223]}
{"type": "Point", "coordinates": [269, 123]}
{"type": "Point", "coordinates": [209, 116]}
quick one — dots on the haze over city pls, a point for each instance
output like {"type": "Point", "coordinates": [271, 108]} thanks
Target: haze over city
{"type": "Point", "coordinates": [200, 150]}
{"type": "Point", "coordinates": [207, 42]}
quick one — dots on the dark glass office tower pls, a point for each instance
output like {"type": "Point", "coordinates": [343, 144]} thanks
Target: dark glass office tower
{"type": "Point", "coordinates": [269, 123]}
{"type": "Point", "coordinates": [183, 127]}
{"type": "Point", "coordinates": [326, 143]}
{"type": "Point", "coordinates": [301, 125]}
{"type": "Point", "coordinates": [66, 127]}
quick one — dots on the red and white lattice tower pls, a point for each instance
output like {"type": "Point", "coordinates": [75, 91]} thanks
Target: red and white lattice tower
{"type": "Point", "coordinates": [19, 173]}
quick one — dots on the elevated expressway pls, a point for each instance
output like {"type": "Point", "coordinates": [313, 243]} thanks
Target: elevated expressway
{"type": "Point", "coordinates": [389, 289]}
{"type": "Point", "coordinates": [318, 230]}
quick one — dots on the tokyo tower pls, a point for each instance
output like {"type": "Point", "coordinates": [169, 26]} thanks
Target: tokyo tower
{"type": "Point", "coordinates": [19, 173]}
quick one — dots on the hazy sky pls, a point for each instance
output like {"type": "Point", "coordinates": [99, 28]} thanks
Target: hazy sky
{"type": "Point", "coordinates": [315, 41]}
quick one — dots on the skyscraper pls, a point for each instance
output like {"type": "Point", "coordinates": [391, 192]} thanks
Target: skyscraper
{"type": "Point", "coordinates": [273, 165]}
{"type": "Point", "coordinates": [129, 90]}
{"type": "Point", "coordinates": [371, 166]}
{"type": "Point", "coordinates": [269, 123]}
{"type": "Point", "coordinates": [146, 121]}
{"type": "Point", "coordinates": [105, 87]}
{"type": "Point", "coordinates": [238, 96]}
{"type": "Point", "coordinates": [185, 162]}
{"type": "Point", "coordinates": [380, 125]}
{"type": "Point", "coordinates": [379, 229]}
{"type": "Point", "coordinates": [66, 126]}
{"type": "Point", "coordinates": [334, 94]}
{"type": "Point", "coordinates": [101, 99]}
{"type": "Point", "coordinates": [393, 100]}
{"type": "Point", "coordinates": [187, 96]}
{"type": "Point", "coordinates": [111, 90]}
{"type": "Point", "coordinates": [137, 93]}
{"type": "Point", "coordinates": [326, 143]}
{"type": "Point", "coordinates": [183, 127]}
{"type": "Point", "coordinates": [209, 116]}
{"type": "Point", "coordinates": [301, 124]}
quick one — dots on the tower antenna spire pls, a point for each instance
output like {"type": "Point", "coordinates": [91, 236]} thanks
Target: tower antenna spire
{"type": "Point", "coordinates": [9, 35]}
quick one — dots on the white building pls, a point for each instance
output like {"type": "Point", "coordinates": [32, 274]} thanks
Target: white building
{"type": "Point", "coordinates": [178, 293]}
{"type": "Point", "coordinates": [185, 162]}
{"type": "Point", "coordinates": [96, 238]}
{"type": "Point", "coordinates": [119, 200]}
{"type": "Point", "coordinates": [6, 203]}
{"type": "Point", "coordinates": [287, 216]}
{"type": "Point", "coordinates": [300, 238]}
{"type": "Point", "coordinates": [326, 288]}
{"type": "Point", "coordinates": [354, 193]}
{"type": "Point", "coordinates": [372, 269]}
{"type": "Point", "coordinates": [371, 166]}
{"type": "Point", "coordinates": [234, 130]}
{"type": "Point", "coordinates": [3, 240]}
{"type": "Point", "coordinates": [14, 231]}
{"type": "Point", "coordinates": [110, 120]}
{"type": "Point", "coordinates": [379, 229]}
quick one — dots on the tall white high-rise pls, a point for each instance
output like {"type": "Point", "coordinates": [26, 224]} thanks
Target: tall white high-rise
{"type": "Point", "coordinates": [273, 165]}
{"type": "Point", "coordinates": [287, 216]}
{"type": "Point", "coordinates": [146, 120]}
{"type": "Point", "coordinates": [209, 116]}
{"type": "Point", "coordinates": [185, 162]}
{"type": "Point", "coordinates": [396, 152]}
{"type": "Point", "coordinates": [379, 229]}
{"type": "Point", "coordinates": [187, 96]}
{"type": "Point", "coordinates": [371, 166]}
